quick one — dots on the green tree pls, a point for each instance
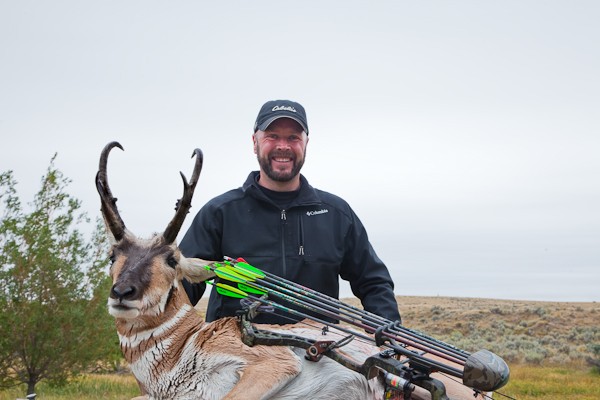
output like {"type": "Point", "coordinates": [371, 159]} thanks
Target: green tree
{"type": "Point", "coordinates": [53, 285]}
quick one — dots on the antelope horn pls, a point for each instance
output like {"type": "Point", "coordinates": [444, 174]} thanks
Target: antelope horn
{"type": "Point", "coordinates": [109, 203]}
{"type": "Point", "coordinates": [182, 207]}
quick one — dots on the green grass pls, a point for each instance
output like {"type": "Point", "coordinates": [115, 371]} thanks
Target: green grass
{"type": "Point", "coordinates": [551, 383]}
{"type": "Point", "coordinates": [89, 387]}
{"type": "Point", "coordinates": [526, 383]}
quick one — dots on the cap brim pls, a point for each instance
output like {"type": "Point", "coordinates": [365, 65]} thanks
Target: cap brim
{"type": "Point", "coordinates": [265, 125]}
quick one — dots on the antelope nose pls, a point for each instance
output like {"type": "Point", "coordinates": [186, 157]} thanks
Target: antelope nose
{"type": "Point", "coordinates": [122, 292]}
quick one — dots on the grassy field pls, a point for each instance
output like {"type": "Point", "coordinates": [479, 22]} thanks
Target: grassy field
{"type": "Point", "coordinates": [523, 332]}
{"type": "Point", "coordinates": [546, 345]}
{"type": "Point", "coordinates": [552, 383]}
{"type": "Point", "coordinates": [88, 387]}
{"type": "Point", "coordinates": [527, 383]}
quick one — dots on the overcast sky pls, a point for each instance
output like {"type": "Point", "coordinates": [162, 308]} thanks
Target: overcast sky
{"type": "Point", "coordinates": [465, 134]}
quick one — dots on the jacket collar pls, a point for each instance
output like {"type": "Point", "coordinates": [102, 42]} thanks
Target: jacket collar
{"type": "Point", "coordinates": [307, 196]}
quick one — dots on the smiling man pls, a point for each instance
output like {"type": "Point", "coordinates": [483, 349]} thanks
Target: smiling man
{"type": "Point", "coordinates": [279, 223]}
{"type": "Point", "coordinates": [280, 147]}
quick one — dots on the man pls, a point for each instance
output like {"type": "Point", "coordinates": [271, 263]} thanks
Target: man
{"type": "Point", "coordinates": [279, 223]}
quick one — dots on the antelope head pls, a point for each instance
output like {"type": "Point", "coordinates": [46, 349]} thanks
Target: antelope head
{"type": "Point", "coordinates": [146, 273]}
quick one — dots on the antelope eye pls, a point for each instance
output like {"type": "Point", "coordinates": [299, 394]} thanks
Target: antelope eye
{"type": "Point", "coordinates": [172, 261]}
{"type": "Point", "coordinates": [112, 258]}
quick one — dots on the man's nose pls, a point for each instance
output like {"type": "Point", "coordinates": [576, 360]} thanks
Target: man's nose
{"type": "Point", "coordinates": [282, 143]}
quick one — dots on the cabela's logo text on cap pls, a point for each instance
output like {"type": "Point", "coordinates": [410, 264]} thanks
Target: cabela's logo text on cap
{"type": "Point", "coordinates": [279, 108]}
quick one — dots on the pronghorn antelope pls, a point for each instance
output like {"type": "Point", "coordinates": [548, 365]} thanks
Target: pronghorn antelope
{"type": "Point", "coordinates": [174, 354]}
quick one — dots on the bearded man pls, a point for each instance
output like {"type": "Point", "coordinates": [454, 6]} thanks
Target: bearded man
{"type": "Point", "coordinates": [279, 223]}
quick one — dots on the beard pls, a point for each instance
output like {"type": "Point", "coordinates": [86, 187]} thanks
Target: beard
{"type": "Point", "coordinates": [264, 160]}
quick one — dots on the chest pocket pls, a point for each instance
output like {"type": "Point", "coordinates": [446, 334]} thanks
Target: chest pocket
{"type": "Point", "coordinates": [321, 238]}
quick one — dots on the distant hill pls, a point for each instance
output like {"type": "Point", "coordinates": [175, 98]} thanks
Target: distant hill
{"type": "Point", "coordinates": [532, 332]}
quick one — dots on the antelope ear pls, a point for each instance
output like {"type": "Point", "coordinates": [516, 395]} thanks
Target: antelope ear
{"type": "Point", "coordinates": [193, 269]}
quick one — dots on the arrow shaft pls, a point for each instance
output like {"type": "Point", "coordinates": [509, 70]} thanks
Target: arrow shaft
{"type": "Point", "coordinates": [335, 309]}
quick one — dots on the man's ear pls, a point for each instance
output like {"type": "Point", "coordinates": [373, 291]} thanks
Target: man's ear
{"type": "Point", "coordinates": [254, 144]}
{"type": "Point", "coordinates": [193, 269]}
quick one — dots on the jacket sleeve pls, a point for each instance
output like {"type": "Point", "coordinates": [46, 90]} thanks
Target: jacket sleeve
{"type": "Point", "coordinates": [369, 278]}
{"type": "Point", "coordinates": [201, 240]}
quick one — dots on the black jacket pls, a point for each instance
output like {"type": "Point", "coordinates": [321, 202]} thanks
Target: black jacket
{"type": "Point", "coordinates": [315, 240]}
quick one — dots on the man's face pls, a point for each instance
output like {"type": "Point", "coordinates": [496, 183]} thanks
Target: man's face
{"type": "Point", "coordinates": [281, 149]}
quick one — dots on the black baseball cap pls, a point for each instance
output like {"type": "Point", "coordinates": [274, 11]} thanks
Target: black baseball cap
{"type": "Point", "coordinates": [275, 109]}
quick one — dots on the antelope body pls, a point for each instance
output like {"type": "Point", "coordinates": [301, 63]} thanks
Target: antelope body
{"type": "Point", "coordinates": [174, 354]}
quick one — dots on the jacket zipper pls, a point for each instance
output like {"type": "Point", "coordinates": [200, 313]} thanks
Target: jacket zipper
{"type": "Point", "coordinates": [301, 236]}
{"type": "Point", "coordinates": [283, 264]}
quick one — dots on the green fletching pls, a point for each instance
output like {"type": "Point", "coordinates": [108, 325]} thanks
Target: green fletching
{"type": "Point", "coordinates": [241, 273]}
{"type": "Point", "coordinates": [230, 275]}
{"type": "Point", "coordinates": [250, 289]}
{"type": "Point", "coordinates": [230, 291]}
{"type": "Point", "coordinates": [249, 268]}
{"type": "Point", "coordinates": [248, 275]}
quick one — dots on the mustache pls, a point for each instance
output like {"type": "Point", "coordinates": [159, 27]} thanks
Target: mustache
{"type": "Point", "coordinates": [284, 154]}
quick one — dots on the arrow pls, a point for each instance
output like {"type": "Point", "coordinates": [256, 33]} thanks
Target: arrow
{"type": "Point", "coordinates": [267, 287]}
{"type": "Point", "coordinates": [230, 291]}
{"type": "Point", "coordinates": [333, 308]}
